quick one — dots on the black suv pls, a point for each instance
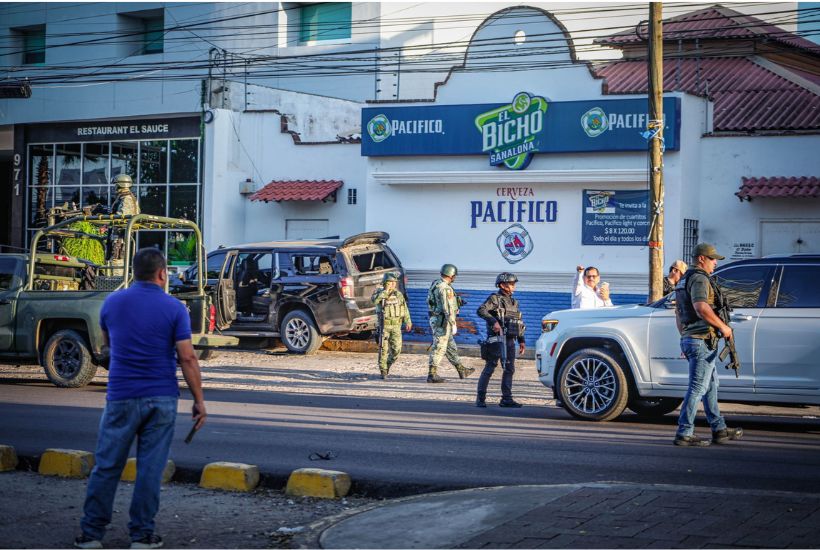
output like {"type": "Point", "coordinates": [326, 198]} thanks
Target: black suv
{"type": "Point", "coordinates": [299, 291]}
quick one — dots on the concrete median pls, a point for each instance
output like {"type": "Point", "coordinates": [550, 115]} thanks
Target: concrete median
{"type": "Point", "coordinates": [66, 463]}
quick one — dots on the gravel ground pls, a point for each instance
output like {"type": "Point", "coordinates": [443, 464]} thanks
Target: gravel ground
{"type": "Point", "coordinates": [45, 512]}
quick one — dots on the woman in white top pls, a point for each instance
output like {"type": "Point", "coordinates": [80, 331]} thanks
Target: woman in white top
{"type": "Point", "coordinates": [586, 295]}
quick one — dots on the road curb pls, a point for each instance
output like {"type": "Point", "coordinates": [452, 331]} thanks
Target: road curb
{"type": "Point", "coordinates": [319, 483]}
{"type": "Point", "coordinates": [421, 348]}
{"type": "Point", "coordinates": [8, 458]}
{"type": "Point", "coordinates": [230, 476]}
{"type": "Point", "coordinates": [66, 463]}
{"type": "Point", "coordinates": [129, 473]}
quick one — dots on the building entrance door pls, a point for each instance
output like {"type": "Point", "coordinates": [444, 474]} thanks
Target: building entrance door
{"type": "Point", "coordinates": [790, 237]}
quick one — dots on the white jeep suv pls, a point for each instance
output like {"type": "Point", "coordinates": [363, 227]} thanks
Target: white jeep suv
{"type": "Point", "coordinates": [600, 361]}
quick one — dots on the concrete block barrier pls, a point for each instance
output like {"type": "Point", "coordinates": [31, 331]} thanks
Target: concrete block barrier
{"type": "Point", "coordinates": [66, 463]}
{"type": "Point", "coordinates": [8, 458]}
{"type": "Point", "coordinates": [315, 482]}
{"type": "Point", "coordinates": [230, 476]}
{"type": "Point", "coordinates": [129, 473]}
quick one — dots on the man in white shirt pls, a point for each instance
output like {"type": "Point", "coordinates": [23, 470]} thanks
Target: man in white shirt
{"type": "Point", "coordinates": [587, 294]}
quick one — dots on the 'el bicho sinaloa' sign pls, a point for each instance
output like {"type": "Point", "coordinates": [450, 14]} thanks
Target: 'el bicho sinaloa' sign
{"type": "Point", "coordinates": [511, 133]}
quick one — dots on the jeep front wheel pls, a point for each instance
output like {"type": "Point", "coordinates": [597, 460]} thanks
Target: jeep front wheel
{"type": "Point", "coordinates": [593, 386]}
{"type": "Point", "coordinates": [67, 360]}
{"type": "Point", "coordinates": [299, 334]}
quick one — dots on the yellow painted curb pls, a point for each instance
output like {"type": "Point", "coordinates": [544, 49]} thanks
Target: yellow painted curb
{"type": "Point", "coordinates": [230, 476]}
{"type": "Point", "coordinates": [66, 463]}
{"type": "Point", "coordinates": [8, 458]}
{"type": "Point", "coordinates": [315, 482]}
{"type": "Point", "coordinates": [129, 473]}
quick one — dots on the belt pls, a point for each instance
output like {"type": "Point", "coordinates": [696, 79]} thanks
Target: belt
{"type": "Point", "coordinates": [394, 321]}
{"type": "Point", "coordinates": [497, 339]}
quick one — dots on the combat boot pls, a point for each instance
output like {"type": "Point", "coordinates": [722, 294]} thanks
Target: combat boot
{"type": "Point", "coordinates": [384, 375]}
{"type": "Point", "coordinates": [434, 379]}
{"type": "Point", "coordinates": [480, 401]}
{"type": "Point", "coordinates": [722, 436]}
{"type": "Point", "coordinates": [464, 372]}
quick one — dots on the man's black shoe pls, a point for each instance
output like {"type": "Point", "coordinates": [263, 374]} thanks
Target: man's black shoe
{"type": "Point", "coordinates": [434, 379]}
{"type": "Point", "coordinates": [511, 403]}
{"type": "Point", "coordinates": [480, 403]}
{"type": "Point", "coordinates": [690, 441]}
{"type": "Point", "coordinates": [722, 436]}
{"type": "Point", "coordinates": [464, 372]}
{"type": "Point", "coordinates": [147, 542]}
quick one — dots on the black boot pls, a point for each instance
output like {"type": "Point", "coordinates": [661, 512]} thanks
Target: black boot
{"type": "Point", "coordinates": [434, 379]}
{"type": "Point", "coordinates": [511, 403]}
{"type": "Point", "coordinates": [480, 401]}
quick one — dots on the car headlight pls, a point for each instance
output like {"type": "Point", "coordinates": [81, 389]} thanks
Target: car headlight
{"type": "Point", "coordinates": [548, 325]}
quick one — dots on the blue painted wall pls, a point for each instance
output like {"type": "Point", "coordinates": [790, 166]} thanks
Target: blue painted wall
{"type": "Point", "coordinates": [534, 305]}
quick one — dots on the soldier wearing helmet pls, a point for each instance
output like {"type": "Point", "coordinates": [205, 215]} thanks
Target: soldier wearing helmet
{"type": "Point", "coordinates": [391, 307]}
{"type": "Point", "coordinates": [443, 305]}
{"type": "Point", "coordinates": [504, 328]}
{"type": "Point", "coordinates": [125, 203]}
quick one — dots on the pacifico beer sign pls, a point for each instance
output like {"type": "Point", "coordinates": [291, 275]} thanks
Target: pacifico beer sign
{"type": "Point", "coordinates": [511, 133]}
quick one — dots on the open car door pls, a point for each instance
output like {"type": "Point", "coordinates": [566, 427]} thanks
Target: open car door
{"type": "Point", "coordinates": [226, 293]}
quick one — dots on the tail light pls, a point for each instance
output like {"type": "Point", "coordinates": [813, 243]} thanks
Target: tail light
{"type": "Point", "coordinates": [346, 287]}
{"type": "Point", "coordinates": [211, 318]}
{"type": "Point", "coordinates": [61, 258]}
{"type": "Point", "coordinates": [405, 281]}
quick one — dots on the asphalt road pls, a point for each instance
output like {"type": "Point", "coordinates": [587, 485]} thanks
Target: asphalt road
{"type": "Point", "coordinates": [401, 443]}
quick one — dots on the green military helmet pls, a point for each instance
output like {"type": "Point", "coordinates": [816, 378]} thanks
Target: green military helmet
{"type": "Point", "coordinates": [123, 181]}
{"type": "Point", "coordinates": [388, 277]}
{"type": "Point", "coordinates": [449, 270]}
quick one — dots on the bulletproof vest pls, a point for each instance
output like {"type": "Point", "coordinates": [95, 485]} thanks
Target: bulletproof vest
{"type": "Point", "coordinates": [513, 322]}
{"type": "Point", "coordinates": [683, 299]}
{"type": "Point", "coordinates": [392, 306]}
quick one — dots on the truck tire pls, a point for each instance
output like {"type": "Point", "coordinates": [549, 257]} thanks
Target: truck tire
{"type": "Point", "coordinates": [67, 360]}
{"type": "Point", "coordinates": [593, 386]}
{"type": "Point", "coordinates": [205, 354]}
{"type": "Point", "coordinates": [299, 334]}
{"type": "Point", "coordinates": [654, 407]}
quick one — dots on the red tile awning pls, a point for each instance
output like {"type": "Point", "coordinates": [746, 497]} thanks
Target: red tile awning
{"type": "Point", "coordinates": [297, 190]}
{"type": "Point", "coordinates": [782, 187]}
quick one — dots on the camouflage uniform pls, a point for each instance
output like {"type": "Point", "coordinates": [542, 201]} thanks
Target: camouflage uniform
{"type": "Point", "coordinates": [443, 308]}
{"type": "Point", "coordinates": [392, 305]}
{"type": "Point", "coordinates": [126, 203]}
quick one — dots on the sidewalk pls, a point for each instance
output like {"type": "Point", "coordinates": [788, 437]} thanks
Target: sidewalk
{"type": "Point", "coordinates": [593, 515]}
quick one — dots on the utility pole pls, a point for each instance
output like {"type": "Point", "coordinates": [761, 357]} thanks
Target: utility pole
{"type": "Point", "coordinates": [655, 127]}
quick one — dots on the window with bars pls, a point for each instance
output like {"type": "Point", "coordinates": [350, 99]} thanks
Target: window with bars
{"type": "Point", "coordinates": [351, 196]}
{"type": "Point", "coordinates": [690, 238]}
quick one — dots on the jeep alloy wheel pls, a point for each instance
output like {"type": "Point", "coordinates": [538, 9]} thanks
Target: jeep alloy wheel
{"type": "Point", "coordinates": [299, 334]}
{"type": "Point", "coordinates": [592, 385]}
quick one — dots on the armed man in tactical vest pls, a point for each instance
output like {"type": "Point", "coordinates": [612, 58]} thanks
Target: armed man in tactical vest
{"type": "Point", "coordinates": [443, 305]}
{"type": "Point", "coordinates": [700, 326]}
{"type": "Point", "coordinates": [125, 203]}
{"type": "Point", "coordinates": [391, 307]}
{"type": "Point", "coordinates": [505, 328]}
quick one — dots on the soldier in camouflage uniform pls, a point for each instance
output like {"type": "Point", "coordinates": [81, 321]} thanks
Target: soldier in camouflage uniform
{"type": "Point", "coordinates": [125, 203]}
{"type": "Point", "coordinates": [443, 305]}
{"type": "Point", "coordinates": [392, 310]}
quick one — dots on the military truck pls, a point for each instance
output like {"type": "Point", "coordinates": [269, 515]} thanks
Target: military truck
{"type": "Point", "coordinates": [50, 301]}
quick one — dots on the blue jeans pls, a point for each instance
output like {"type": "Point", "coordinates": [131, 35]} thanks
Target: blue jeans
{"type": "Point", "coordinates": [703, 384]}
{"type": "Point", "coordinates": [151, 420]}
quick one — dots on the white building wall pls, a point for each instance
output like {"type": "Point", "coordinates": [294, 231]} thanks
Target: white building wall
{"type": "Point", "coordinates": [252, 146]}
{"type": "Point", "coordinates": [727, 221]}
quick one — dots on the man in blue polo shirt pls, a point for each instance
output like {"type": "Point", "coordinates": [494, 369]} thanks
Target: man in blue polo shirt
{"type": "Point", "coordinates": [146, 330]}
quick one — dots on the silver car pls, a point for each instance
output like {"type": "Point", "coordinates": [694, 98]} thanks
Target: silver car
{"type": "Point", "coordinates": [601, 361]}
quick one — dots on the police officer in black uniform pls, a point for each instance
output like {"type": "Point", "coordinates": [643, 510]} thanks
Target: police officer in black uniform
{"type": "Point", "coordinates": [504, 328]}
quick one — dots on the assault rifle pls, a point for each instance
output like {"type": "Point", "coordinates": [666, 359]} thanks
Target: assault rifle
{"type": "Point", "coordinates": [380, 327]}
{"type": "Point", "coordinates": [723, 311]}
{"type": "Point", "coordinates": [502, 313]}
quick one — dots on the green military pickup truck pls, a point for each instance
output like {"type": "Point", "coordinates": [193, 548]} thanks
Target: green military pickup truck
{"type": "Point", "coordinates": [50, 302]}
